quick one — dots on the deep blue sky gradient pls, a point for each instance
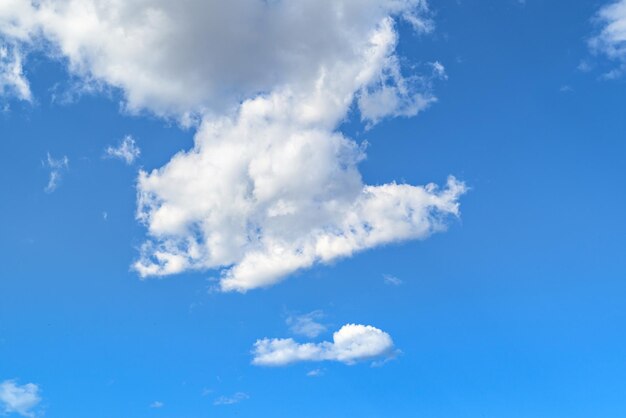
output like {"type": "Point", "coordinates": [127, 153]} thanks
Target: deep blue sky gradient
{"type": "Point", "coordinates": [516, 311]}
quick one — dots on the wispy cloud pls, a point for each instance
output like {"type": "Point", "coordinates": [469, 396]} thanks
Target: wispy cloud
{"type": "Point", "coordinates": [230, 400]}
{"type": "Point", "coordinates": [315, 373]}
{"type": "Point", "coordinates": [157, 404]}
{"type": "Point", "coordinates": [307, 324]}
{"type": "Point", "coordinates": [57, 167]}
{"type": "Point", "coordinates": [391, 280]}
{"type": "Point", "coordinates": [12, 80]}
{"type": "Point", "coordinates": [19, 399]}
{"type": "Point", "coordinates": [127, 150]}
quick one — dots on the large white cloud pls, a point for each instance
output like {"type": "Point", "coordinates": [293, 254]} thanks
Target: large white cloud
{"type": "Point", "coordinates": [19, 399]}
{"type": "Point", "coordinates": [271, 186]}
{"type": "Point", "coordinates": [352, 343]}
{"type": "Point", "coordinates": [175, 57]}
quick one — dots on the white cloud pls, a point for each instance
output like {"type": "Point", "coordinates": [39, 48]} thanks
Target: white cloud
{"type": "Point", "coordinates": [352, 343]}
{"type": "Point", "coordinates": [610, 40]}
{"type": "Point", "coordinates": [127, 150]}
{"type": "Point", "coordinates": [12, 79]}
{"type": "Point", "coordinates": [56, 166]}
{"type": "Point", "coordinates": [19, 399]}
{"type": "Point", "coordinates": [391, 280]}
{"type": "Point", "coordinates": [180, 58]}
{"type": "Point", "coordinates": [307, 324]}
{"type": "Point", "coordinates": [231, 400]}
{"type": "Point", "coordinates": [157, 404]}
{"type": "Point", "coordinates": [315, 373]}
{"type": "Point", "coordinates": [271, 186]}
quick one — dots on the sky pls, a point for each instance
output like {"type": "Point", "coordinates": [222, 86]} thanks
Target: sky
{"type": "Point", "coordinates": [315, 208]}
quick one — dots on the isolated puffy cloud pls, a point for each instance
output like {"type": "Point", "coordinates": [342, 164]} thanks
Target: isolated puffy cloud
{"type": "Point", "coordinates": [127, 150]}
{"type": "Point", "coordinates": [271, 186]}
{"type": "Point", "coordinates": [352, 343]}
{"type": "Point", "coordinates": [19, 399]}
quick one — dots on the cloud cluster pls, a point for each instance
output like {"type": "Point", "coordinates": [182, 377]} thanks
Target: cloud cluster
{"type": "Point", "coordinates": [271, 186]}
{"type": "Point", "coordinates": [352, 343]}
{"type": "Point", "coordinates": [275, 188]}
{"type": "Point", "coordinates": [19, 399]}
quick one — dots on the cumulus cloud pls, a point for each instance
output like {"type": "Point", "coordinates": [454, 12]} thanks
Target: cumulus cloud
{"type": "Point", "coordinates": [307, 324]}
{"type": "Point", "coordinates": [352, 343]}
{"type": "Point", "coordinates": [177, 58]}
{"type": "Point", "coordinates": [19, 399]}
{"type": "Point", "coordinates": [271, 185]}
{"type": "Point", "coordinates": [57, 167]}
{"type": "Point", "coordinates": [127, 150]}
{"type": "Point", "coordinates": [231, 400]}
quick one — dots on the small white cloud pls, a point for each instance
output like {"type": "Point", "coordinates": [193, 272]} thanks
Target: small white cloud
{"type": "Point", "coordinates": [127, 150]}
{"type": "Point", "coordinates": [352, 343]}
{"type": "Point", "coordinates": [315, 373]}
{"type": "Point", "coordinates": [56, 166]}
{"type": "Point", "coordinates": [307, 324]}
{"type": "Point", "coordinates": [584, 66]}
{"type": "Point", "coordinates": [105, 215]}
{"type": "Point", "coordinates": [19, 399]}
{"type": "Point", "coordinates": [439, 70]}
{"type": "Point", "coordinates": [391, 280]}
{"type": "Point", "coordinates": [157, 404]}
{"type": "Point", "coordinates": [231, 400]}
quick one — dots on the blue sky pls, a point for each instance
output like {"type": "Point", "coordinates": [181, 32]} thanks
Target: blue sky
{"type": "Point", "coordinates": [514, 310]}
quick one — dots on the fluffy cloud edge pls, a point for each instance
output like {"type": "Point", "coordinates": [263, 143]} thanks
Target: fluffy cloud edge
{"type": "Point", "coordinates": [352, 343]}
{"type": "Point", "coordinates": [19, 399]}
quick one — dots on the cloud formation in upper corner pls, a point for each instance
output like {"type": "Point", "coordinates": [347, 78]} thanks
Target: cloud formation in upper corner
{"type": "Point", "coordinates": [127, 150]}
{"type": "Point", "coordinates": [19, 399]}
{"type": "Point", "coordinates": [352, 343]}
{"type": "Point", "coordinates": [231, 400]}
{"type": "Point", "coordinates": [610, 40]}
{"type": "Point", "coordinates": [184, 57]}
{"type": "Point", "coordinates": [271, 186]}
